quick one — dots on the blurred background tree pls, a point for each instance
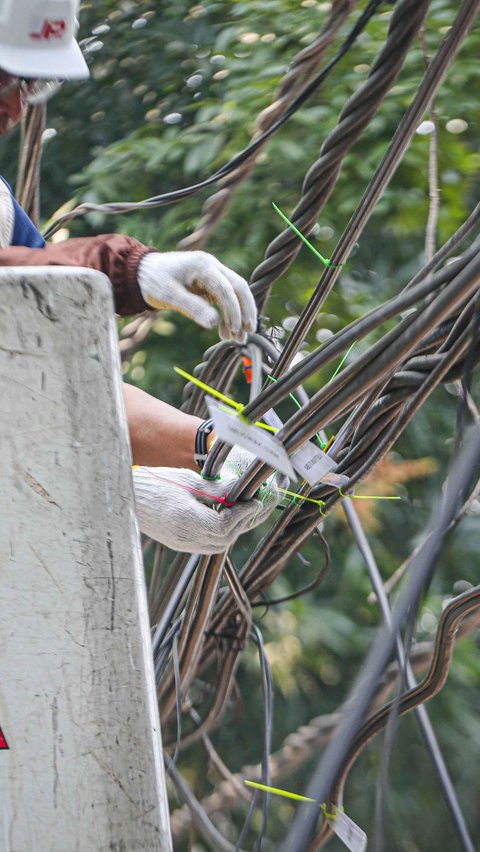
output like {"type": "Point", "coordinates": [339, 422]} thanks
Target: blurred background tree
{"type": "Point", "coordinates": [175, 91]}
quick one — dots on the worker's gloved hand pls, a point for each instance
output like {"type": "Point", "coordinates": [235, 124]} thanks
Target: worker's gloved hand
{"type": "Point", "coordinates": [171, 510]}
{"type": "Point", "coordinates": [267, 496]}
{"type": "Point", "coordinates": [192, 282]}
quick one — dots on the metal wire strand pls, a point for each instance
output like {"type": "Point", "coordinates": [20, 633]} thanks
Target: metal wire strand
{"type": "Point", "coordinates": [333, 759]}
{"type": "Point", "coordinates": [455, 611]}
{"type": "Point", "coordinates": [177, 195]}
{"type": "Point", "coordinates": [359, 111]}
{"type": "Point", "coordinates": [406, 129]}
{"type": "Point", "coordinates": [301, 70]}
{"type": "Point", "coordinates": [407, 671]}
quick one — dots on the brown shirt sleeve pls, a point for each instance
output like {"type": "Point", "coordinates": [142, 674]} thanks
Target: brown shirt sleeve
{"type": "Point", "coordinates": [115, 255]}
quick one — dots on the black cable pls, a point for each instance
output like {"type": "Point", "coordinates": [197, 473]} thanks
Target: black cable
{"type": "Point", "coordinates": [164, 623]}
{"type": "Point", "coordinates": [466, 380]}
{"type": "Point", "coordinates": [303, 827]}
{"type": "Point", "coordinates": [267, 603]}
{"type": "Point", "coordinates": [177, 195]}
{"type": "Point", "coordinates": [178, 696]}
{"type": "Point", "coordinates": [403, 662]}
{"type": "Point", "coordinates": [267, 689]}
{"type": "Point", "coordinates": [200, 819]}
{"type": "Point", "coordinates": [162, 653]}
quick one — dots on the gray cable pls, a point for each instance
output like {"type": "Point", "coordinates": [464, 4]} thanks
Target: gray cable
{"type": "Point", "coordinates": [421, 712]}
{"type": "Point", "coordinates": [357, 114]}
{"type": "Point", "coordinates": [422, 565]}
{"type": "Point", "coordinates": [202, 822]}
{"type": "Point", "coordinates": [164, 624]}
{"type": "Point", "coordinates": [400, 142]}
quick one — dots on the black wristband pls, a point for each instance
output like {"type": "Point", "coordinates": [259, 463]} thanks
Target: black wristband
{"type": "Point", "coordinates": [201, 449]}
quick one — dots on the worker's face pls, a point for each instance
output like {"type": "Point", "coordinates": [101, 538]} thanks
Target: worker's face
{"type": "Point", "coordinates": [12, 101]}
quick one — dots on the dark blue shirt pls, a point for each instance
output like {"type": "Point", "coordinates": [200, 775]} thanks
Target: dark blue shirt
{"type": "Point", "coordinates": [24, 232]}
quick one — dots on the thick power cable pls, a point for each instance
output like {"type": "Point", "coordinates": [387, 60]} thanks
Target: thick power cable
{"type": "Point", "coordinates": [296, 524]}
{"type": "Point", "coordinates": [167, 198]}
{"type": "Point", "coordinates": [359, 111]}
{"type": "Point", "coordinates": [302, 68]}
{"type": "Point", "coordinates": [362, 374]}
{"type": "Point", "coordinates": [283, 390]}
{"type": "Point", "coordinates": [456, 610]}
{"type": "Point", "coordinates": [421, 569]}
{"type": "Point", "coordinates": [420, 711]}
{"type": "Point", "coordinates": [401, 140]}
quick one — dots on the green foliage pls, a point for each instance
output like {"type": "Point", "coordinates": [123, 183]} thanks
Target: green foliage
{"type": "Point", "coordinates": [174, 94]}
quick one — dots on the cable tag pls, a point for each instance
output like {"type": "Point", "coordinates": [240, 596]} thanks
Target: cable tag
{"type": "Point", "coordinates": [312, 463]}
{"type": "Point", "coordinates": [272, 418]}
{"type": "Point", "coordinates": [232, 430]}
{"type": "Point", "coordinates": [348, 831]}
{"type": "Point", "coordinates": [345, 828]}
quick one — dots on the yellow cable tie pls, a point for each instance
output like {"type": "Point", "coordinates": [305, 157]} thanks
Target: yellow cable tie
{"type": "Point", "coordinates": [372, 497]}
{"type": "Point", "coordinates": [300, 497]}
{"type": "Point", "coordinates": [208, 388]}
{"type": "Point", "coordinates": [295, 796]}
{"type": "Point", "coordinates": [328, 444]}
{"type": "Point", "coordinates": [285, 793]}
{"type": "Point", "coordinates": [267, 427]}
{"type": "Point", "coordinates": [324, 260]}
{"type": "Point", "coordinates": [241, 415]}
{"type": "Point", "coordinates": [326, 814]}
{"type": "Point", "coordinates": [238, 406]}
{"type": "Point", "coordinates": [319, 503]}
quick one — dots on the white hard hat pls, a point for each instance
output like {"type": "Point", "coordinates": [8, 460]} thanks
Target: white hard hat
{"type": "Point", "coordinates": [37, 39]}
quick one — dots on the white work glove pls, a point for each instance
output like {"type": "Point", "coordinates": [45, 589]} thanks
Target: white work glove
{"type": "Point", "coordinates": [169, 512]}
{"type": "Point", "coordinates": [192, 282]}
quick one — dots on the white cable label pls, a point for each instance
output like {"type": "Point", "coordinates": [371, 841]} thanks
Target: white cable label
{"type": "Point", "coordinates": [231, 429]}
{"type": "Point", "coordinates": [272, 418]}
{"type": "Point", "coordinates": [348, 832]}
{"type": "Point", "coordinates": [312, 463]}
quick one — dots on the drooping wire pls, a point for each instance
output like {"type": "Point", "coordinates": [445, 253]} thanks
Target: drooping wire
{"type": "Point", "coordinates": [178, 695]}
{"type": "Point", "coordinates": [163, 652]}
{"type": "Point", "coordinates": [201, 820]}
{"type": "Point", "coordinates": [177, 195]}
{"type": "Point", "coordinates": [422, 566]}
{"type": "Point", "coordinates": [267, 690]}
{"type": "Point", "coordinates": [162, 629]}
{"type": "Point", "coordinates": [466, 380]}
{"type": "Point", "coordinates": [461, 607]}
{"type": "Point", "coordinates": [267, 603]}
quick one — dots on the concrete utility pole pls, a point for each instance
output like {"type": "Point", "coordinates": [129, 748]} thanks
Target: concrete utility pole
{"type": "Point", "coordinates": [81, 766]}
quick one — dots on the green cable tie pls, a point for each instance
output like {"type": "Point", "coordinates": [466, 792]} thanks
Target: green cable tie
{"type": "Point", "coordinates": [299, 405]}
{"type": "Point", "coordinates": [307, 242]}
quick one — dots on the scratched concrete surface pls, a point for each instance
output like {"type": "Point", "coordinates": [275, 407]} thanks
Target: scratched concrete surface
{"type": "Point", "coordinates": [83, 770]}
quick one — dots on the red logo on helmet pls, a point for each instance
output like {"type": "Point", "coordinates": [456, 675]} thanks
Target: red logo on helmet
{"type": "Point", "coordinates": [3, 742]}
{"type": "Point", "coordinates": [50, 29]}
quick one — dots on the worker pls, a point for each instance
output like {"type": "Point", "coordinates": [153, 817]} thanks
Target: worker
{"type": "Point", "coordinates": [175, 505]}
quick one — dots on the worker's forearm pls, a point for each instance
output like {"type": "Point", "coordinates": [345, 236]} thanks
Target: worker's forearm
{"type": "Point", "coordinates": [160, 435]}
{"type": "Point", "coordinates": [116, 256]}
